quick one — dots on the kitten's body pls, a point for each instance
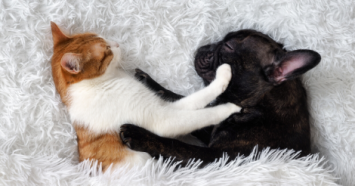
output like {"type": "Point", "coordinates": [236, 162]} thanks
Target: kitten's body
{"type": "Point", "coordinates": [105, 103]}
{"type": "Point", "coordinates": [100, 97]}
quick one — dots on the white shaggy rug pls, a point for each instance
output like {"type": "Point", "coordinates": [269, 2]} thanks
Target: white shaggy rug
{"type": "Point", "coordinates": [38, 144]}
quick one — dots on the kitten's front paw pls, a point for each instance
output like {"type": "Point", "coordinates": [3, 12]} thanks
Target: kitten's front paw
{"type": "Point", "coordinates": [233, 108]}
{"type": "Point", "coordinates": [223, 76]}
{"type": "Point", "coordinates": [136, 138]}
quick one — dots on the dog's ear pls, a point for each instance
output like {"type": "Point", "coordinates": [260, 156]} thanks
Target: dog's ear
{"type": "Point", "coordinates": [291, 65]}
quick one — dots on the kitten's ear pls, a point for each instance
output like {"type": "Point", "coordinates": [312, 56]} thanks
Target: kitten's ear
{"type": "Point", "coordinates": [72, 63]}
{"type": "Point", "coordinates": [292, 65]}
{"type": "Point", "coordinates": [57, 34]}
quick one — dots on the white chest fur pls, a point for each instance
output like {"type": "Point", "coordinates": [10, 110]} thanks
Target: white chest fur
{"type": "Point", "coordinates": [103, 104]}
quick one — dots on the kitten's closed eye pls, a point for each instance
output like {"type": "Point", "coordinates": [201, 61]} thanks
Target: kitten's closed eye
{"type": "Point", "coordinates": [108, 47]}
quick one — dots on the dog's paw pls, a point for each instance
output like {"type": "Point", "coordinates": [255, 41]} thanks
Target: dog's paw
{"type": "Point", "coordinates": [160, 93]}
{"type": "Point", "coordinates": [223, 76]}
{"type": "Point", "coordinates": [133, 136]}
{"type": "Point", "coordinates": [141, 75]}
{"type": "Point", "coordinates": [146, 80]}
{"type": "Point", "coordinates": [140, 139]}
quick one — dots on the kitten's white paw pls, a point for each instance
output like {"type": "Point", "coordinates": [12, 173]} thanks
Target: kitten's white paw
{"type": "Point", "coordinates": [223, 76]}
{"type": "Point", "coordinates": [233, 108]}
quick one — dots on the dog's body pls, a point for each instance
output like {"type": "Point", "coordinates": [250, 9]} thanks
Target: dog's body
{"type": "Point", "coordinates": [264, 83]}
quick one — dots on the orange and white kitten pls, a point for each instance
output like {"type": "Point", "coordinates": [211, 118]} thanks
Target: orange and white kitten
{"type": "Point", "coordinates": [101, 96]}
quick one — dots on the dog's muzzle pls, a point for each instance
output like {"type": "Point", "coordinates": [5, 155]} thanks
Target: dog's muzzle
{"type": "Point", "coordinates": [206, 62]}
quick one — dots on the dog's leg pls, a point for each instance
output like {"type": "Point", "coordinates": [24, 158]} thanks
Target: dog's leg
{"type": "Point", "coordinates": [156, 87]}
{"type": "Point", "coordinates": [204, 134]}
{"type": "Point", "coordinates": [139, 139]}
{"type": "Point", "coordinates": [203, 97]}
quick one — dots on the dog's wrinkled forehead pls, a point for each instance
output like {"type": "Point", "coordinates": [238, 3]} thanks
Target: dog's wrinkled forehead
{"type": "Point", "coordinates": [251, 37]}
{"type": "Point", "coordinates": [254, 43]}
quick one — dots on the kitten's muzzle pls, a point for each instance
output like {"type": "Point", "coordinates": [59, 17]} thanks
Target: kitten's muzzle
{"type": "Point", "coordinates": [115, 44]}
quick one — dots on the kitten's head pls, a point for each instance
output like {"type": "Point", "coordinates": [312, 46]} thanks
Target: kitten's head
{"type": "Point", "coordinates": [84, 55]}
{"type": "Point", "coordinates": [81, 56]}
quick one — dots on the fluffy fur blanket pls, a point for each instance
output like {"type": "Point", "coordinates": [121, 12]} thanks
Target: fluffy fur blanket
{"type": "Point", "coordinates": [38, 143]}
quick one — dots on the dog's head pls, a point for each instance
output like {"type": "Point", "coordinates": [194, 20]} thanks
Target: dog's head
{"type": "Point", "coordinates": [258, 64]}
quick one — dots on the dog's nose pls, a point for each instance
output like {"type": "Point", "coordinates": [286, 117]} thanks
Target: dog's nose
{"type": "Point", "coordinates": [210, 56]}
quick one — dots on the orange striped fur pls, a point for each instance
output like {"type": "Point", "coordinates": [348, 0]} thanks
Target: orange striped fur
{"type": "Point", "coordinates": [106, 148]}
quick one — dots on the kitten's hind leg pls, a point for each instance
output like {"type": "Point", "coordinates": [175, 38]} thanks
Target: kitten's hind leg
{"type": "Point", "coordinates": [206, 95]}
{"type": "Point", "coordinates": [156, 87]}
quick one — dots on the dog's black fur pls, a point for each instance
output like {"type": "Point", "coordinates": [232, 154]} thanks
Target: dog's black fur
{"type": "Point", "coordinates": [264, 83]}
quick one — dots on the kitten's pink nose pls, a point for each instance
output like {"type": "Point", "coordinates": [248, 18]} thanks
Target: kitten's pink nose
{"type": "Point", "coordinates": [112, 44]}
{"type": "Point", "coordinates": [115, 44]}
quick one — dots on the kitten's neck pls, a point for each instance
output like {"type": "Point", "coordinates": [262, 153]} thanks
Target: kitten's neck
{"type": "Point", "coordinates": [107, 77]}
{"type": "Point", "coordinates": [117, 73]}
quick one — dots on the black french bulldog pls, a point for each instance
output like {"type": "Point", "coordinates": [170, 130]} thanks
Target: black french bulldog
{"type": "Point", "coordinates": [264, 82]}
